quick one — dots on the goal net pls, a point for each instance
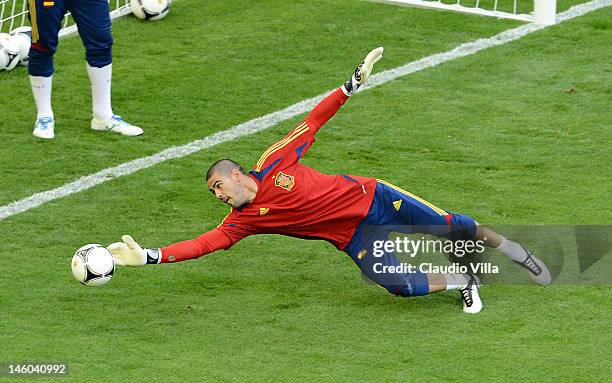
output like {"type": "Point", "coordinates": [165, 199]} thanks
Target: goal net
{"type": "Point", "coordinates": [14, 13]}
{"type": "Point", "coordinates": [534, 11]}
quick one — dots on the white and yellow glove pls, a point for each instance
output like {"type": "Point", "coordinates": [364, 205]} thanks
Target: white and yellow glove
{"type": "Point", "coordinates": [362, 72]}
{"type": "Point", "coordinates": [129, 253]}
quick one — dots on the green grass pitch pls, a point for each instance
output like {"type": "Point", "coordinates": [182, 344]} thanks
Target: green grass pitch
{"type": "Point", "coordinates": [499, 135]}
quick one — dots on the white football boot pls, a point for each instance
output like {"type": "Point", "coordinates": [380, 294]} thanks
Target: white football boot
{"type": "Point", "coordinates": [537, 270]}
{"type": "Point", "coordinates": [470, 297]}
{"type": "Point", "coordinates": [44, 128]}
{"type": "Point", "coordinates": [116, 124]}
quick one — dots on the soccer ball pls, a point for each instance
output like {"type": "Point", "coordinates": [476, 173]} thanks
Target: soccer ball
{"type": "Point", "coordinates": [23, 36]}
{"type": "Point", "coordinates": [9, 52]}
{"type": "Point", "coordinates": [150, 9]}
{"type": "Point", "coordinates": [93, 265]}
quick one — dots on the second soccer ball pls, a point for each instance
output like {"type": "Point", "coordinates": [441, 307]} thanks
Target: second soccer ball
{"type": "Point", "coordinates": [23, 37]}
{"type": "Point", "coordinates": [9, 52]}
{"type": "Point", "coordinates": [150, 9]}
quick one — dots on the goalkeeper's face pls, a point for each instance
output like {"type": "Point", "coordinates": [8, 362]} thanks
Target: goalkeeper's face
{"type": "Point", "coordinates": [231, 188]}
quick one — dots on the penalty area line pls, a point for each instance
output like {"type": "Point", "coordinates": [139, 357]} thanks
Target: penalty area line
{"type": "Point", "coordinates": [262, 123]}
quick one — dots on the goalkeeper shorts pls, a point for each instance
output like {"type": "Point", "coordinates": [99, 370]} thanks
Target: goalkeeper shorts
{"type": "Point", "coordinates": [396, 210]}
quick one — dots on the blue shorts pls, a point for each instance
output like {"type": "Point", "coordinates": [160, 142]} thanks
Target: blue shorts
{"type": "Point", "coordinates": [396, 210]}
{"type": "Point", "coordinates": [94, 24]}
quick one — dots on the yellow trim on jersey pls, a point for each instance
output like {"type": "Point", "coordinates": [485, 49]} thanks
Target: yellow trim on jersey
{"type": "Point", "coordinates": [302, 128]}
{"type": "Point", "coordinates": [228, 214]}
{"type": "Point", "coordinates": [298, 130]}
{"type": "Point", "coordinates": [33, 21]}
{"type": "Point", "coordinates": [432, 206]}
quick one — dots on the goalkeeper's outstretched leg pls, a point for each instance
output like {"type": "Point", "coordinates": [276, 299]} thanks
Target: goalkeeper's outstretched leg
{"type": "Point", "coordinates": [396, 210]}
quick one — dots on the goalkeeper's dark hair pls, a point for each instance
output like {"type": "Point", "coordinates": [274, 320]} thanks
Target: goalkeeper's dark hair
{"type": "Point", "coordinates": [223, 167]}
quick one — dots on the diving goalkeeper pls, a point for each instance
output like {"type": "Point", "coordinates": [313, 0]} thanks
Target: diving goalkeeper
{"type": "Point", "coordinates": [282, 196]}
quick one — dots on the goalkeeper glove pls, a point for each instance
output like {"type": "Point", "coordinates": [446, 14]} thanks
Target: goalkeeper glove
{"type": "Point", "coordinates": [129, 253]}
{"type": "Point", "coordinates": [363, 71]}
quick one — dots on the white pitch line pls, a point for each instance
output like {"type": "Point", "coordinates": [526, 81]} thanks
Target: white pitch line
{"type": "Point", "coordinates": [261, 123]}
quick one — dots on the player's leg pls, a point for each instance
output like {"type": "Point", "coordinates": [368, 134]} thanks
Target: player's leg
{"type": "Point", "coordinates": [45, 17]}
{"type": "Point", "coordinates": [535, 268]}
{"type": "Point", "coordinates": [468, 286]}
{"type": "Point", "coordinates": [383, 268]}
{"type": "Point", "coordinates": [421, 216]}
{"type": "Point", "coordinates": [94, 23]}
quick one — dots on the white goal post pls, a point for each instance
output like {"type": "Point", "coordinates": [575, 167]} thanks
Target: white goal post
{"type": "Point", "coordinates": [14, 13]}
{"type": "Point", "coordinates": [543, 11]}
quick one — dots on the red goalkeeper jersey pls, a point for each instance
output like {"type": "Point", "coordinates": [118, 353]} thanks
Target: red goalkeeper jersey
{"type": "Point", "coordinates": [292, 199]}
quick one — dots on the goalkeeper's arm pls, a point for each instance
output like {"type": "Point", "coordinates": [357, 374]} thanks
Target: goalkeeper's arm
{"type": "Point", "coordinates": [130, 253]}
{"type": "Point", "coordinates": [362, 72]}
{"type": "Point", "coordinates": [330, 104]}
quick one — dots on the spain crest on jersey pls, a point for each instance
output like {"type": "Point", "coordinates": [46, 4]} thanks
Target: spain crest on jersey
{"type": "Point", "coordinates": [284, 181]}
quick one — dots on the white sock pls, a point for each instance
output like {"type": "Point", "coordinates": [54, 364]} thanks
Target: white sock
{"type": "Point", "coordinates": [41, 89]}
{"type": "Point", "coordinates": [512, 250]}
{"type": "Point", "coordinates": [455, 281]}
{"type": "Point", "coordinates": [101, 91]}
